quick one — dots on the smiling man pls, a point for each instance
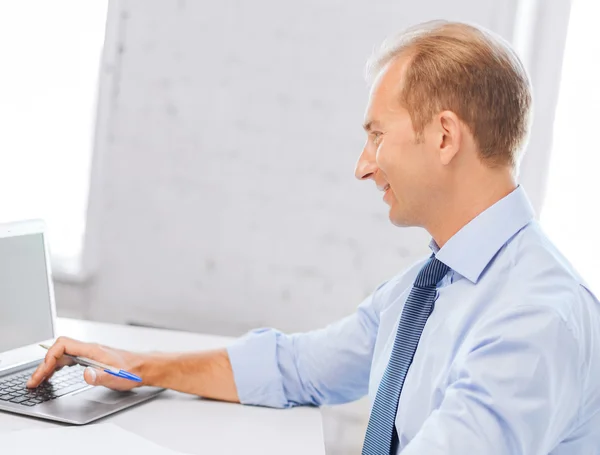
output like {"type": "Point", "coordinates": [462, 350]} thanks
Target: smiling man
{"type": "Point", "coordinates": [489, 346]}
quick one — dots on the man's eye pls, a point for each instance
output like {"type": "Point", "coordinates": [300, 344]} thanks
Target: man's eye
{"type": "Point", "coordinates": [376, 138]}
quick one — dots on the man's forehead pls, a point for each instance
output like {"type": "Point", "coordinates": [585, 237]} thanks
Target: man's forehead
{"type": "Point", "coordinates": [384, 95]}
{"type": "Point", "coordinates": [391, 77]}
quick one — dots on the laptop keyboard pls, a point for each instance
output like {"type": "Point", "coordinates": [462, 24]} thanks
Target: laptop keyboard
{"type": "Point", "coordinates": [13, 388]}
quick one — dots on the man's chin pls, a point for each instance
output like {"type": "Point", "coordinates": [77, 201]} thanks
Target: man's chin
{"type": "Point", "coordinates": [398, 219]}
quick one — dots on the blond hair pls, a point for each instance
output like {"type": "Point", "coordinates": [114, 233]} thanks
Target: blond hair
{"type": "Point", "coordinates": [469, 71]}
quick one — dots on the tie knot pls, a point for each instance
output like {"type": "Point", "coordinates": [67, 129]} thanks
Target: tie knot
{"type": "Point", "coordinates": [431, 273]}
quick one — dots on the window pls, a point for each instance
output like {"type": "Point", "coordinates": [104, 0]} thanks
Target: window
{"type": "Point", "coordinates": [571, 214]}
{"type": "Point", "coordinates": [51, 54]}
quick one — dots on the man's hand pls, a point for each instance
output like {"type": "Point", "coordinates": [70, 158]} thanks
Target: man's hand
{"type": "Point", "coordinates": [205, 373]}
{"type": "Point", "coordinates": [55, 360]}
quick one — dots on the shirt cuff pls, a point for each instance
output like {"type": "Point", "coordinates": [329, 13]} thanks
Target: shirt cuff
{"type": "Point", "coordinates": [255, 369]}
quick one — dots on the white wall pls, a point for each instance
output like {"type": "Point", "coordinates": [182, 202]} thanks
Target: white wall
{"type": "Point", "coordinates": [226, 198]}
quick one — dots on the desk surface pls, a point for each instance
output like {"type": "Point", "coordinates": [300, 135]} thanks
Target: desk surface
{"type": "Point", "coordinates": [187, 423]}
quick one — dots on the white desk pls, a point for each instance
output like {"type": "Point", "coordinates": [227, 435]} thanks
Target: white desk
{"type": "Point", "coordinates": [187, 423]}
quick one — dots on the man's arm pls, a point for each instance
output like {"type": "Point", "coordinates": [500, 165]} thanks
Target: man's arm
{"type": "Point", "coordinates": [266, 367]}
{"type": "Point", "coordinates": [207, 374]}
{"type": "Point", "coordinates": [517, 392]}
{"type": "Point", "coordinates": [327, 366]}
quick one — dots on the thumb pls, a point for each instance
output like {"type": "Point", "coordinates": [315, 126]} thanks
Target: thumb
{"type": "Point", "coordinates": [93, 376]}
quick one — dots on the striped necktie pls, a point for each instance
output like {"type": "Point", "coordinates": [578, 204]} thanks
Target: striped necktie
{"type": "Point", "coordinates": [381, 437]}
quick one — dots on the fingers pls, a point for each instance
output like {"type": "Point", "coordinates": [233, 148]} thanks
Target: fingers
{"type": "Point", "coordinates": [55, 358]}
{"type": "Point", "coordinates": [100, 378]}
{"type": "Point", "coordinates": [91, 376]}
{"type": "Point", "coordinates": [63, 362]}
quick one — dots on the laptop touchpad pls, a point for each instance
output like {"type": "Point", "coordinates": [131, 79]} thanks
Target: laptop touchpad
{"type": "Point", "coordinates": [104, 395]}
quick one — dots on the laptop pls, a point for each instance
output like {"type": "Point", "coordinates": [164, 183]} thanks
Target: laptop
{"type": "Point", "coordinates": [27, 318]}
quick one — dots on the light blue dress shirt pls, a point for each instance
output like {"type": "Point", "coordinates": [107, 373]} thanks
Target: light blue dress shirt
{"type": "Point", "coordinates": [508, 362]}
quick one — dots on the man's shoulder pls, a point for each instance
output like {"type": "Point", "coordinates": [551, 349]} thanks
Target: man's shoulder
{"type": "Point", "coordinates": [537, 273]}
{"type": "Point", "coordinates": [534, 258]}
{"type": "Point", "coordinates": [540, 278]}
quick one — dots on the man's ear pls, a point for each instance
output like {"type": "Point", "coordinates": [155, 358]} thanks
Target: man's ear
{"type": "Point", "coordinates": [450, 136]}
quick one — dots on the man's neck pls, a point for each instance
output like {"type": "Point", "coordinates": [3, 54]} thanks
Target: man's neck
{"type": "Point", "coordinates": [465, 203]}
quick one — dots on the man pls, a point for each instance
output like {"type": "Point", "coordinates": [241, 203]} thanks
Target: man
{"type": "Point", "coordinates": [501, 335]}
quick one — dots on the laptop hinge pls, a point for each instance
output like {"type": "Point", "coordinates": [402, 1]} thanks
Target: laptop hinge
{"type": "Point", "coordinates": [20, 367]}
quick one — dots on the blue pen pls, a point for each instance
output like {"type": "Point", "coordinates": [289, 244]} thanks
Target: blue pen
{"type": "Point", "coordinates": [101, 366]}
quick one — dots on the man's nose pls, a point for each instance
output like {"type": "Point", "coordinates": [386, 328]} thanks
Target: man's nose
{"type": "Point", "coordinates": [365, 166]}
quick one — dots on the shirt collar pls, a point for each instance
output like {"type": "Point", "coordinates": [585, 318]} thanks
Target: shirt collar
{"type": "Point", "coordinates": [471, 249]}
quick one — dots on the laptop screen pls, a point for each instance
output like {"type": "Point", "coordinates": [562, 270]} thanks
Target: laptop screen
{"type": "Point", "coordinates": [25, 309]}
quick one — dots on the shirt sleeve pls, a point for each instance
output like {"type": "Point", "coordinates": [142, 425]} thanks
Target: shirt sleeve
{"type": "Point", "coordinates": [327, 366]}
{"type": "Point", "coordinates": [516, 392]}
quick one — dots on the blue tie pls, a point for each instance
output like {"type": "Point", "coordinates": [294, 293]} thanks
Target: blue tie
{"type": "Point", "coordinates": [381, 437]}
